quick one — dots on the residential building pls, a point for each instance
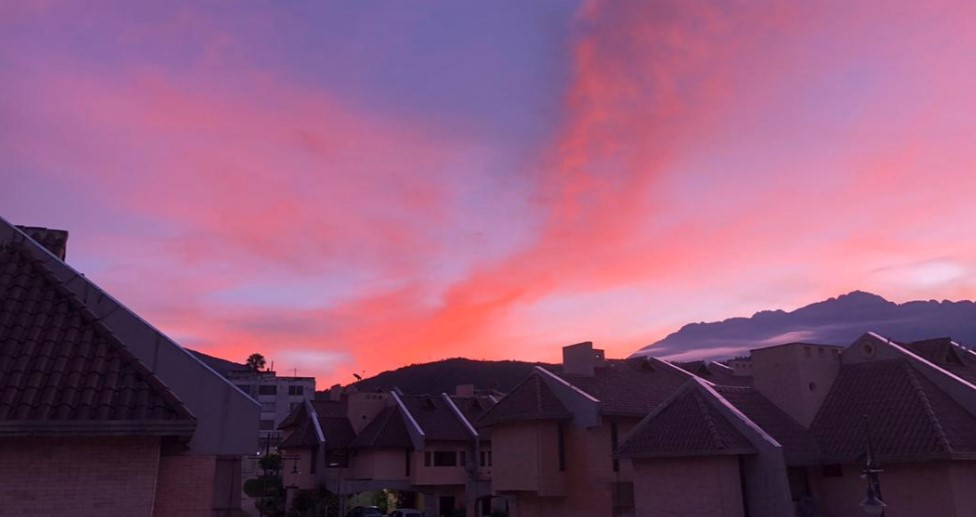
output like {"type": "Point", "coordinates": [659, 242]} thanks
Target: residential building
{"type": "Point", "coordinates": [798, 440]}
{"type": "Point", "coordinates": [278, 395]}
{"type": "Point", "coordinates": [101, 413]}
{"type": "Point", "coordinates": [553, 437]}
{"type": "Point", "coordinates": [423, 447]}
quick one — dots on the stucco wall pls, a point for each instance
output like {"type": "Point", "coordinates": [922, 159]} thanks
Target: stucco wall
{"type": "Point", "coordinates": [381, 464]}
{"type": "Point", "coordinates": [81, 477]}
{"type": "Point", "coordinates": [688, 487]}
{"type": "Point", "coordinates": [910, 490]}
{"type": "Point", "coordinates": [526, 457]}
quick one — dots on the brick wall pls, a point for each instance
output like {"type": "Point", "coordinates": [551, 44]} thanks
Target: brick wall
{"type": "Point", "coordinates": [186, 486]}
{"type": "Point", "coordinates": [81, 477]}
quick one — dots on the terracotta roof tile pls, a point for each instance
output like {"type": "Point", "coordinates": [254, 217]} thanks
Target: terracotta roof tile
{"type": "Point", "coordinates": [799, 445]}
{"type": "Point", "coordinates": [61, 371]}
{"type": "Point", "coordinates": [532, 399]}
{"type": "Point", "coordinates": [473, 407]}
{"type": "Point", "coordinates": [947, 355]}
{"type": "Point", "coordinates": [688, 425]}
{"type": "Point", "coordinates": [387, 430]}
{"type": "Point", "coordinates": [910, 418]}
{"type": "Point", "coordinates": [629, 387]}
{"type": "Point", "coordinates": [436, 418]}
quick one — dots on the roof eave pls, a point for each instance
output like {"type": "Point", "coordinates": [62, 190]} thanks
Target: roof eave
{"type": "Point", "coordinates": [98, 428]}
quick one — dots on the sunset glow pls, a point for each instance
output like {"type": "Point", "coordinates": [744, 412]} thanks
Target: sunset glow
{"type": "Point", "coordinates": [353, 187]}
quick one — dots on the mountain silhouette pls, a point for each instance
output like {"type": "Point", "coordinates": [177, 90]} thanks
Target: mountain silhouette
{"type": "Point", "coordinates": [835, 321]}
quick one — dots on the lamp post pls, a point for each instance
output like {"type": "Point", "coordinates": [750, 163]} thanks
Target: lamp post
{"type": "Point", "coordinates": [338, 466]}
{"type": "Point", "coordinates": [872, 504]}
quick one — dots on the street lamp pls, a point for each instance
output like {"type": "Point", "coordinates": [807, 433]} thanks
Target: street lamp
{"type": "Point", "coordinates": [872, 504]}
{"type": "Point", "coordinates": [342, 506]}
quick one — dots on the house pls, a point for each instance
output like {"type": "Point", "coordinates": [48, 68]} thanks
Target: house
{"type": "Point", "coordinates": [424, 447]}
{"type": "Point", "coordinates": [102, 414]}
{"type": "Point", "coordinates": [554, 435]}
{"type": "Point", "coordinates": [797, 441]}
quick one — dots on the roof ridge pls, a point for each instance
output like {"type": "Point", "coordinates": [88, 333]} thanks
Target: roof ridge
{"type": "Point", "coordinates": [927, 406]}
{"type": "Point", "coordinates": [712, 429]}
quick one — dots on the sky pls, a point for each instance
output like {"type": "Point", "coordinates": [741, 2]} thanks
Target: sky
{"type": "Point", "coordinates": [350, 187]}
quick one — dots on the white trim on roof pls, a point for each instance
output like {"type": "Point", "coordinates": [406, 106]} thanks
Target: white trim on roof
{"type": "Point", "coordinates": [457, 413]}
{"type": "Point", "coordinates": [707, 386]}
{"type": "Point", "coordinates": [314, 415]}
{"type": "Point", "coordinates": [403, 407]}
{"type": "Point", "coordinates": [563, 381]}
{"type": "Point", "coordinates": [915, 357]}
{"type": "Point", "coordinates": [680, 370]}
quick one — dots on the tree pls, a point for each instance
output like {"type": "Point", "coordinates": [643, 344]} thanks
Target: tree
{"type": "Point", "coordinates": [255, 362]}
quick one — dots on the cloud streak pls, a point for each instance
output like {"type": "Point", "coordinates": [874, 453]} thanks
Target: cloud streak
{"type": "Point", "coordinates": [640, 165]}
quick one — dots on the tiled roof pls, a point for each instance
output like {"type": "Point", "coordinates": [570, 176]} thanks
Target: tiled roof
{"type": "Point", "coordinates": [473, 407]}
{"type": "Point", "coordinates": [62, 372]}
{"type": "Point", "coordinates": [688, 425]}
{"type": "Point", "coordinates": [715, 373]}
{"type": "Point", "coordinates": [436, 418]}
{"type": "Point", "coordinates": [387, 430]}
{"type": "Point", "coordinates": [302, 437]}
{"type": "Point", "coordinates": [532, 399]}
{"type": "Point", "coordinates": [910, 418]}
{"type": "Point", "coordinates": [629, 387]}
{"type": "Point", "coordinates": [799, 445]}
{"type": "Point", "coordinates": [56, 241]}
{"type": "Point", "coordinates": [947, 355]}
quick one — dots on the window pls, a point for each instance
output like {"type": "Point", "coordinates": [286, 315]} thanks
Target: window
{"type": "Point", "coordinates": [296, 390]}
{"type": "Point", "coordinates": [441, 458]}
{"type": "Point", "coordinates": [613, 446]}
{"type": "Point", "coordinates": [462, 458]}
{"type": "Point", "coordinates": [246, 388]}
{"type": "Point", "coordinates": [406, 462]}
{"type": "Point", "coordinates": [485, 458]}
{"type": "Point", "coordinates": [267, 425]}
{"type": "Point", "coordinates": [267, 389]}
{"type": "Point", "coordinates": [561, 444]}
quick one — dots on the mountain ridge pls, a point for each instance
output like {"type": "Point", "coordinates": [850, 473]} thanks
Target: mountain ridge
{"type": "Point", "coordinates": [838, 320]}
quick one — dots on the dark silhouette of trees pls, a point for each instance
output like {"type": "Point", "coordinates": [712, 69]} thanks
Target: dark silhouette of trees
{"type": "Point", "coordinates": [255, 362]}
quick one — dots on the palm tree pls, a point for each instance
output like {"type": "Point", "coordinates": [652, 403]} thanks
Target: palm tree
{"type": "Point", "coordinates": [255, 362]}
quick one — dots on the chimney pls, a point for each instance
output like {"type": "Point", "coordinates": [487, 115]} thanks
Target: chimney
{"type": "Point", "coordinates": [582, 359]}
{"type": "Point", "coordinates": [464, 390]}
{"type": "Point", "coordinates": [796, 377]}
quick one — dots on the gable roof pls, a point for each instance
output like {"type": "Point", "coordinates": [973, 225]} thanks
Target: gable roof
{"type": "Point", "coordinates": [532, 399]}
{"type": "Point", "coordinates": [436, 418]}
{"type": "Point", "coordinates": [685, 425]}
{"type": "Point", "coordinates": [630, 387]}
{"type": "Point", "coordinates": [799, 445]}
{"type": "Point", "coordinates": [62, 372]}
{"type": "Point", "coordinates": [911, 419]}
{"type": "Point", "coordinates": [473, 407]}
{"type": "Point", "coordinates": [387, 430]}
{"type": "Point", "coordinates": [948, 355]}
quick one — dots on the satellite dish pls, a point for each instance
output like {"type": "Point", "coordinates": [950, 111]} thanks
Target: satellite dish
{"type": "Point", "coordinates": [357, 376]}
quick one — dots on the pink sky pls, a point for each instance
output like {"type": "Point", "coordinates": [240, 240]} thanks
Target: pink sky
{"type": "Point", "coordinates": [354, 187]}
